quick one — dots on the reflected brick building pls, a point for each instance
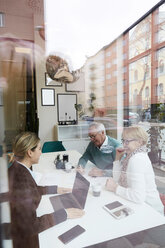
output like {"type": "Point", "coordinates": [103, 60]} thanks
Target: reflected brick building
{"type": "Point", "coordinates": [134, 65]}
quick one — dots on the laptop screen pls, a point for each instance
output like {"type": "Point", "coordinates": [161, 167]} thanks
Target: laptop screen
{"type": "Point", "coordinates": [80, 189]}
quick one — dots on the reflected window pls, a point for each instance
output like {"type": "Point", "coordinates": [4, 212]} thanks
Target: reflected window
{"type": "Point", "coordinates": [160, 89]}
{"type": "Point", "coordinates": [160, 57]}
{"type": "Point", "coordinates": [124, 42]}
{"type": "Point", "coordinates": [138, 82]}
{"type": "Point", "coordinates": [108, 54]}
{"type": "Point", "coordinates": [108, 76]}
{"type": "Point", "coordinates": [2, 19]}
{"type": "Point", "coordinates": [108, 87]}
{"type": "Point", "coordinates": [156, 90]}
{"type": "Point", "coordinates": [115, 61]}
{"type": "Point", "coordinates": [161, 24]}
{"type": "Point", "coordinates": [161, 66]}
{"type": "Point", "coordinates": [140, 37]}
{"type": "Point", "coordinates": [124, 82]}
{"type": "Point", "coordinates": [146, 92]}
{"type": "Point", "coordinates": [156, 73]}
{"type": "Point", "coordinates": [124, 56]}
{"type": "Point", "coordinates": [147, 71]}
{"type": "Point", "coordinates": [101, 78]}
{"type": "Point", "coordinates": [124, 69]}
{"type": "Point", "coordinates": [115, 73]}
{"type": "Point", "coordinates": [135, 94]}
{"type": "Point", "coordinates": [114, 49]}
{"type": "Point", "coordinates": [108, 65]}
{"type": "Point", "coordinates": [136, 75]}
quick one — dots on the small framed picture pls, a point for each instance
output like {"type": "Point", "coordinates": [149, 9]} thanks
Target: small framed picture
{"type": "Point", "coordinates": [1, 96]}
{"type": "Point", "coordinates": [48, 97]}
{"type": "Point", "coordinates": [50, 82]}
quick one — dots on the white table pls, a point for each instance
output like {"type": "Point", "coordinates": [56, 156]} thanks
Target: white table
{"type": "Point", "coordinates": [99, 224]}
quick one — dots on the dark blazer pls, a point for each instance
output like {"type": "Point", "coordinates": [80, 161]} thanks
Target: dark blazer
{"type": "Point", "coordinates": [25, 197]}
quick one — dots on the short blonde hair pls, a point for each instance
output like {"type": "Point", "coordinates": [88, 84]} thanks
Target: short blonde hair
{"type": "Point", "coordinates": [23, 142]}
{"type": "Point", "coordinates": [135, 132]}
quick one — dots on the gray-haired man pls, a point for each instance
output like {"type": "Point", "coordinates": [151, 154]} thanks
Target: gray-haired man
{"type": "Point", "coordinates": [101, 151]}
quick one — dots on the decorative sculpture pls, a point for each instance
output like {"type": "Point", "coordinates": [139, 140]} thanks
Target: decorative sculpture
{"type": "Point", "coordinates": [58, 69]}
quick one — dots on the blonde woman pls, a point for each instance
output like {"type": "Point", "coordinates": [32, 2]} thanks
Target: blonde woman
{"type": "Point", "coordinates": [133, 175]}
{"type": "Point", "coordinates": [25, 195]}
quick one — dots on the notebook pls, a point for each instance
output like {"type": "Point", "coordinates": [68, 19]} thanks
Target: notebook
{"type": "Point", "coordinates": [76, 199]}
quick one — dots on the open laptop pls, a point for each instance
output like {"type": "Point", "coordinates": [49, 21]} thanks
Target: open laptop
{"type": "Point", "coordinates": [76, 199]}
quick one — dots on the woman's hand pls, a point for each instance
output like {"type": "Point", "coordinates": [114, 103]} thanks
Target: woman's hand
{"type": "Point", "coordinates": [119, 153]}
{"type": "Point", "coordinates": [111, 185]}
{"type": "Point", "coordinates": [95, 172]}
{"type": "Point", "coordinates": [61, 190]}
{"type": "Point", "coordinates": [73, 213]}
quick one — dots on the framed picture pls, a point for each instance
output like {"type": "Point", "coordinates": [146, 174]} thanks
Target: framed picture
{"type": "Point", "coordinates": [1, 96]}
{"type": "Point", "coordinates": [48, 97]}
{"type": "Point", "coordinates": [50, 82]}
{"type": "Point", "coordinates": [66, 108]}
{"type": "Point", "coordinates": [78, 86]}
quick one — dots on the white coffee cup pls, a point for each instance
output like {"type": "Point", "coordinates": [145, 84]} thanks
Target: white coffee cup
{"type": "Point", "coordinates": [68, 167]}
{"type": "Point", "coordinates": [96, 189]}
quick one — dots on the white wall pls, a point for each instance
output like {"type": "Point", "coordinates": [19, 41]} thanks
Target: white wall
{"type": "Point", "coordinates": [47, 114]}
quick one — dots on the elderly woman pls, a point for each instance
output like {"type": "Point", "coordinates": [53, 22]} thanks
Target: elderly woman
{"type": "Point", "coordinates": [133, 175]}
{"type": "Point", "coordinates": [25, 195]}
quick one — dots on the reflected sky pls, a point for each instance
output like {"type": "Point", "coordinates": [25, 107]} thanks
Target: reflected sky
{"type": "Point", "coordinates": [80, 28]}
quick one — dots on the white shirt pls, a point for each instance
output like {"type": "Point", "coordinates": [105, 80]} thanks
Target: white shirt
{"type": "Point", "coordinates": [105, 148]}
{"type": "Point", "coordinates": [140, 180]}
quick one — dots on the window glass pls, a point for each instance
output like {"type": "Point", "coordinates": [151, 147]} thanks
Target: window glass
{"type": "Point", "coordinates": [118, 81]}
{"type": "Point", "coordinates": [161, 74]}
{"type": "Point", "coordinates": [140, 37]}
{"type": "Point", "coordinates": [161, 24]}
{"type": "Point", "coordinates": [139, 81]}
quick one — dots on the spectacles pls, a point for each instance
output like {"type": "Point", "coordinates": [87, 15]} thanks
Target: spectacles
{"type": "Point", "coordinates": [126, 141]}
{"type": "Point", "coordinates": [93, 136]}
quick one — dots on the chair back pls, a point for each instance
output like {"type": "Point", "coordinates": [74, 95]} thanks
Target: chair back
{"type": "Point", "coordinates": [53, 146]}
{"type": "Point", "coordinates": [1, 151]}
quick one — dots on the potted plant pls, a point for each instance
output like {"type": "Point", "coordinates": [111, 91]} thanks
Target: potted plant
{"type": "Point", "coordinates": [79, 108]}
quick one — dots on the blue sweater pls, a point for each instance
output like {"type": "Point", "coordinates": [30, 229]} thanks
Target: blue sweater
{"type": "Point", "coordinates": [102, 160]}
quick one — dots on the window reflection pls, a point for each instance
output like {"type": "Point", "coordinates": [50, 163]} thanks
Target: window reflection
{"type": "Point", "coordinates": [160, 75]}
{"type": "Point", "coordinates": [161, 24]}
{"type": "Point", "coordinates": [140, 82]}
{"type": "Point", "coordinates": [140, 37]}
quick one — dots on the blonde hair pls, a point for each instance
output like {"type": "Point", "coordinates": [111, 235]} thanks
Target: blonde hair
{"type": "Point", "coordinates": [135, 132]}
{"type": "Point", "coordinates": [22, 143]}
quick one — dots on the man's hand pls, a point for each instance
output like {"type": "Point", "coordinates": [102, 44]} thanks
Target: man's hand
{"type": "Point", "coordinates": [111, 185]}
{"type": "Point", "coordinates": [95, 172]}
{"type": "Point", "coordinates": [61, 190]}
{"type": "Point", "coordinates": [73, 213]}
{"type": "Point", "coordinates": [80, 169]}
